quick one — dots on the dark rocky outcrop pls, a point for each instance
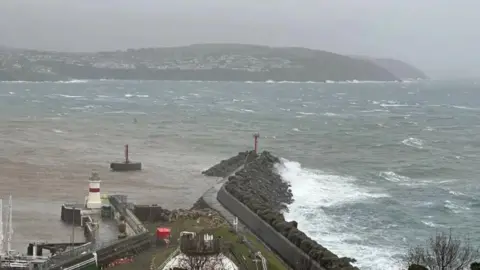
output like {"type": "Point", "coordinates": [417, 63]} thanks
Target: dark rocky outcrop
{"type": "Point", "coordinates": [417, 267]}
{"type": "Point", "coordinates": [257, 183]}
{"type": "Point", "coordinates": [212, 217]}
{"type": "Point", "coordinates": [156, 213]}
{"type": "Point", "coordinates": [262, 190]}
{"type": "Point", "coordinates": [151, 213]}
{"type": "Point", "coordinates": [226, 167]}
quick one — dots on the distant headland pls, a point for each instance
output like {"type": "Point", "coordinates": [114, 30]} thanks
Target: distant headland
{"type": "Point", "coordinates": [202, 62]}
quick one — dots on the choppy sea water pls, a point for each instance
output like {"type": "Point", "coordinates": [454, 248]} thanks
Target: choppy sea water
{"type": "Point", "coordinates": [374, 167]}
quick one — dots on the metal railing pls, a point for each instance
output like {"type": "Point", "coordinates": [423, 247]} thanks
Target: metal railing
{"type": "Point", "coordinates": [174, 253]}
{"type": "Point", "coordinates": [119, 202]}
{"type": "Point", "coordinates": [67, 255]}
{"type": "Point", "coordinates": [121, 205]}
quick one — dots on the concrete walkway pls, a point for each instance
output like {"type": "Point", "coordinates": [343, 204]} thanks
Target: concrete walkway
{"type": "Point", "coordinates": [210, 197]}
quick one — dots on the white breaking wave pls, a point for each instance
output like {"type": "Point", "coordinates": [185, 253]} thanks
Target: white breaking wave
{"type": "Point", "coordinates": [466, 108]}
{"type": "Point", "coordinates": [413, 142]}
{"type": "Point", "coordinates": [393, 177]}
{"type": "Point", "coordinates": [60, 82]}
{"type": "Point", "coordinates": [136, 95]}
{"type": "Point", "coordinates": [455, 208]}
{"type": "Point", "coordinates": [68, 96]}
{"type": "Point", "coordinates": [332, 82]}
{"type": "Point", "coordinates": [314, 190]}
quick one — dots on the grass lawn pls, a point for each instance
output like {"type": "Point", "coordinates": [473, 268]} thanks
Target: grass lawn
{"type": "Point", "coordinates": [242, 251]}
{"type": "Point", "coordinates": [238, 250]}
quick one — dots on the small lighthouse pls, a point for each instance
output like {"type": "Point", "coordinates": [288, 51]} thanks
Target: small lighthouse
{"type": "Point", "coordinates": [94, 200]}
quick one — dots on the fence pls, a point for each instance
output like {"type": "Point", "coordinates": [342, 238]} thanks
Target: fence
{"type": "Point", "coordinates": [290, 253]}
{"type": "Point", "coordinates": [119, 202]}
{"type": "Point", "coordinates": [175, 253]}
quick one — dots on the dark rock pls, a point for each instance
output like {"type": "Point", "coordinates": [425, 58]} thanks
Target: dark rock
{"type": "Point", "coordinates": [261, 188]}
{"type": "Point", "coordinates": [226, 167]}
{"type": "Point", "coordinates": [417, 267]}
{"type": "Point", "coordinates": [151, 213]}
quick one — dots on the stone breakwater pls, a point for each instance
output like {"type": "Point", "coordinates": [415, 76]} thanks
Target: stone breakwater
{"type": "Point", "coordinates": [264, 192]}
{"type": "Point", "coordinates": [228, 166]}
{"type": "Point", "coordinates": [259, 185]}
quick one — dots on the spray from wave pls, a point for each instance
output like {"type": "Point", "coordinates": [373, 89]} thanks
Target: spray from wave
{"type": "Point", "coordinates": [314, 192]}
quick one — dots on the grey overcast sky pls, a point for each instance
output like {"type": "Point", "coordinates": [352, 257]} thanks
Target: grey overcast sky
{"type": "Point", "coordinates": [439, 36]}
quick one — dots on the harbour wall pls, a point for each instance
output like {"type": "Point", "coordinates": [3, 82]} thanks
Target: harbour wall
{"type": "Point", "coordinates": [71, 214]}
{"type": "Point", "coordinates": [80, 262]}
{"type": "Point", "coordinates": [105, 252]}
{"type": "Point", "coordinates": [121, 248]}
{"type": "Point", "coordinates": [119, 202]}
{"type": "Point", "coordinates": [291, 254]}
{"type": "Point", "coordinates": [150, 213]}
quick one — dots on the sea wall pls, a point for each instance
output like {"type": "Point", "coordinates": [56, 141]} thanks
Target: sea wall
{"type": "Point", "coordinates": [119, 202]}
{"type": "Point", "coordinates": [71, 214]}
{"type": "Point", "coordinates": [80, 262]}
{"type": "Point", "coordinates": [77, 258]}
{"type": "Point", "coordinates": [119, 249]}
{"type": "Point", "coordinates": [258, 195]}
{"type": "Point", "coordinates": [228, 166]}
{"type": "Point", "coordinates": [292, 255]}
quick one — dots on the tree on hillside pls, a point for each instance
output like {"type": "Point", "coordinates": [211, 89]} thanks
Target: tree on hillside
{"type": "Point", "coordinates": [475, 266]}
{"type": "Point", "coordinates": [417, 267]}
{"type": "Point", "coordinates": [442, 252]}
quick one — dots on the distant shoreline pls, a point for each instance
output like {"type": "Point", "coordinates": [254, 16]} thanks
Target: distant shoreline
{"type": "Point", "coordinates": [202, 62]}
{"type": "Point", "coordinates": [211, 81]}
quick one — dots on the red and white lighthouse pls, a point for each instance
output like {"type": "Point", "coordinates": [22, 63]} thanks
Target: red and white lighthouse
{"type": "Point", "coordinates": [94, 200]}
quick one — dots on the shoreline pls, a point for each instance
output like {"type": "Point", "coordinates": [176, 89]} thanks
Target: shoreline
{"type": "Point", "coordinates": [76, 80]}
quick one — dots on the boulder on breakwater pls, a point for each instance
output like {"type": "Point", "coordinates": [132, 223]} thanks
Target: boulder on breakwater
{"type": "Point", "coordinates": [155, 213]}
{"type": "Point", "coordinates": [226, 167]}
{"type": "Point", "coordinates": [261, 189]}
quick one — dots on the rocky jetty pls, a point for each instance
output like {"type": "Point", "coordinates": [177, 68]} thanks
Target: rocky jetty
{"type": "Point", "coordinates": [259, 185]}
{"type": "Point", "coordinates": [260, 188]}
{"type": "Point", "coordinates": [226, 167]}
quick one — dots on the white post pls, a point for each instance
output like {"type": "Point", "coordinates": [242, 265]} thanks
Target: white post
{"type": "Point", "coordinates": [1, 229]}
{"type": "Point", "coordinates": [235, 223]}
{"type": "Point", "coordinates": [10, 226]}
{"type": "Point", "coordinates": [34, 248]}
